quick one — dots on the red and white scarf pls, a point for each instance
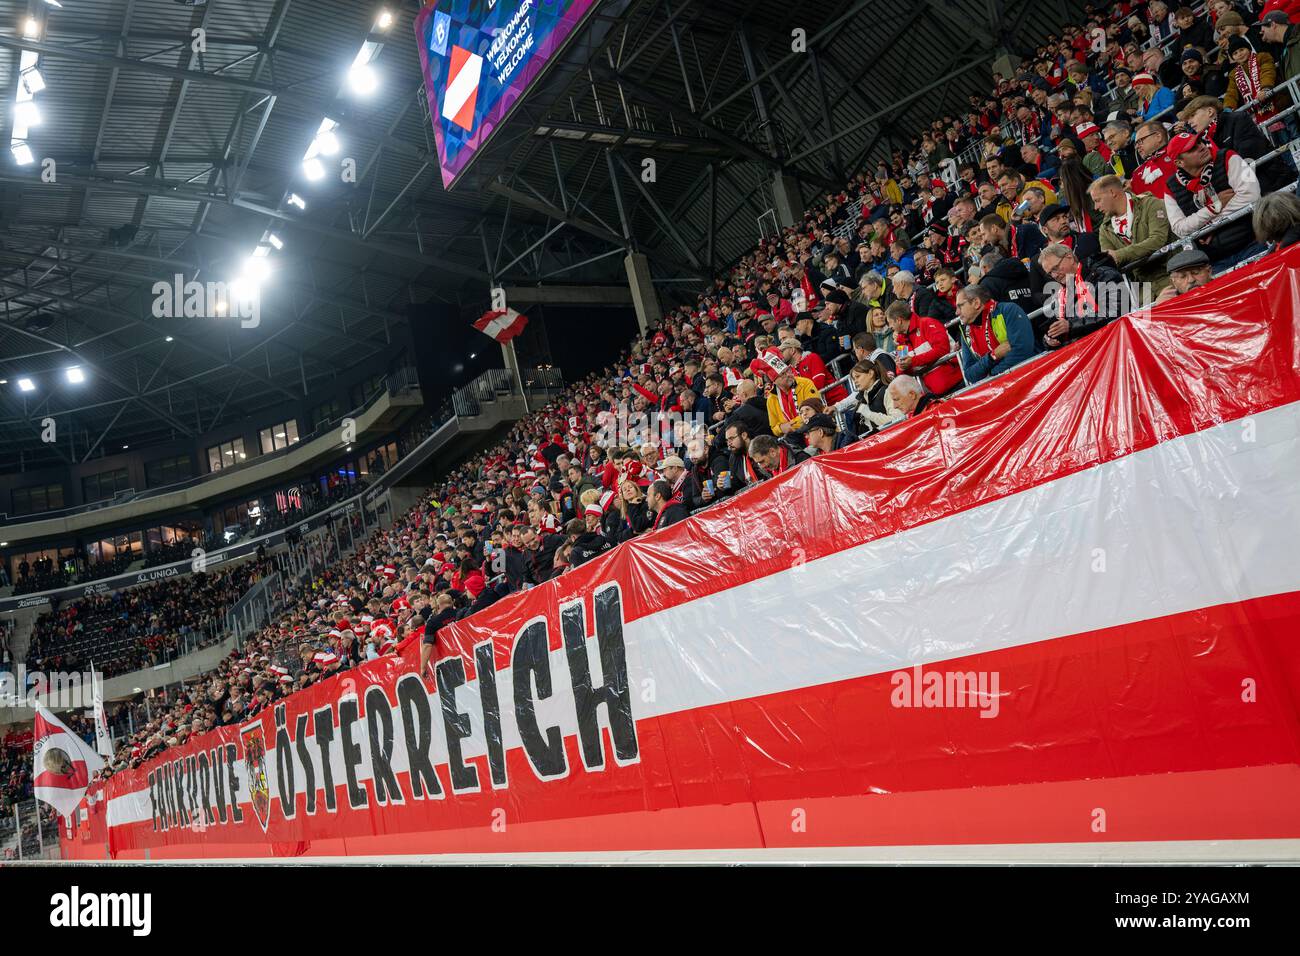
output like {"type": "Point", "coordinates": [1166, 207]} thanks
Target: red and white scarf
{"type": "Point", "coordinates": [1250, 86]}
{"type": "Point", "coordinates": [1085, 303]}
{"type": "Point", "coordinates": [789, 407]}
{"type": "Point", "coordinates": [1123, 225]}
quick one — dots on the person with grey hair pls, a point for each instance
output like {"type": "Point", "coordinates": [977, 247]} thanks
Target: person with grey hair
{"type": "Point", "coordinates": [908, 395]}
{"type": "Point", "coordinates": [1276, 219]}
{"type": "Point", "coordinates": [920, 299]}
{"type": "Point", "coordinates": [1118, 136]}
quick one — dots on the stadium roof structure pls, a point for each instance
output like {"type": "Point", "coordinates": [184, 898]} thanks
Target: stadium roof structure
{"type": "Point", "coordinates": [157, 154]}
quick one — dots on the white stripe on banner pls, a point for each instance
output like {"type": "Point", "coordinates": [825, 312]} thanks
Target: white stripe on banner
{"type": "Point", "coordinates": [462, 86]}
{"type": "Point", "coordinates": [500, 325]}
{"type": "Point", "coordinates": [1198, 521]}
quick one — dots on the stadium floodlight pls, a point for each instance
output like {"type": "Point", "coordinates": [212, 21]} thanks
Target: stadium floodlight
{"type": "Point", "coordinates": [298, 201]}
{"type": "Point", "coordinates": [169, 339]}
{"type": "Point", "coordinates": [242, 289]}
{"type": "Point", "coordinates": [363, 79]}
{"type": "Point", "coordinates": [55, 4]}
{"type": "Point", "coordinates": [384, 20]}
{"type": "Point", "coordinates": [33, 82]}
{"type": "Point", "coordinates": [75, 375]}
{"type": "Point", "coordinates": [261, 252]}
{"type": "Point", "coordinates": [22, 153]}
{"type": "Point", "coordinates": [31, 28]}
{"type": "Point", "coordinates": [326, 141]}
{"type": "Point", "coordinates": [26, 385]}
{"type": "Point", "coordinates": [313, 169]}
{"type": "Point", "coordinates": [275, 241]}
{"type": "Point", "coordinates": [256, 268]}
{"type": "Point", "coordinates": [26, 113]}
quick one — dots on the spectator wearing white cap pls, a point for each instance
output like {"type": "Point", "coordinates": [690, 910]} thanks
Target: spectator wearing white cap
{"type": "Point", "coordinates": [683, 482]}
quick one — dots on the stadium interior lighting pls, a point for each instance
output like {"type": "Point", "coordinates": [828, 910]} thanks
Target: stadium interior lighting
{"type": "Point", "coordinates": [75, 375]}
{"type": "Point", "coordinates": [298, 201]}
{"type": "Point", "coordinates": [26, 385]}
{"type": "Point", "coordinates": [22, 153]}
{"type": "Point", "coordinates": [384, 20]}
{"type": "Point", "coordinates": [169, 339]}
{"type": "Point", "coordinates": [256, 269]}
{"type": "Point", "coordinates": [31, 28]}
{"type": "Point", "coordinates": [55, 4]}
{"type": "Point", "coordinates": [275, 241]}
{"type": "Point", "coordinates": [313, 169]}
{"type": "Point", "coordinates": [361, 75]}
{"type": "Point", "coordinates": [363, 79]}
{"type": "Point", "coordinates": [326, 142]}
{"type": "Point", "coordinates": [241, 290]}
{"type": "Point", "coordinates": [33, 82]}
{"type": "Point", "coordinates": [26, 113]}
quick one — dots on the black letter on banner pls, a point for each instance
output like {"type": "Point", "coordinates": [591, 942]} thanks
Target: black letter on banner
{"type": "Point", "coordinates": [179, 767]}
{"type": "Point", "coordinates": [531, 662]}
{"type": "Point", "coordinates": [286, 787]}
{"type": "Point", "coordinates": [379, 723]}
{"type": "Point", "coordinates": [192, 781]}
{"type": "Point", "coordinates": [451, 674]}
{"type": "Point", "coordinates": [204, 780]}
{"type": "Point", "coordinates": [165, 786]}
{"type": "Point", "coordinates": [414, 702]}
{"type": "Point", "coordinates": [485, 664]}
{"type": "Point", "coordinates": [236, 814]}
{"type": "Point", "coordinates": [324, 736]}
{"type": "Point", "coordinates": [178, 792]}
{"type": "Point", "coordinates": [615, 693]}
{"type": "Point", "coordinates": [153, 801]}
{"type": "Point", "coordinates": [219, 779]}
{"type": "Point", "coordinates": [348, 713]}
{"type": "Point", "coordinates": [304, 757]}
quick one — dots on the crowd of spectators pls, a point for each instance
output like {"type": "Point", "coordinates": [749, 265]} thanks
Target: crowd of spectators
{"type": "Point", "coordinates": [1070, 178]}
{"type": "Point", "coordinates": [138, 627]}
{"type": "Point", "coordinates": [45, 573]}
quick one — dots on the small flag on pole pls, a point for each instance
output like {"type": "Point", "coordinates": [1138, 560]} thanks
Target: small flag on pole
{"type": "Point", "coordinates": [62, 763]}
{"type": "Point", "coordinates": [103, 740]}
{"type": "Point", "coordinates": [501, 324]}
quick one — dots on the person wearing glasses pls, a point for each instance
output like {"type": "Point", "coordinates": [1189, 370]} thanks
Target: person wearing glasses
{"type": "Point", "coordinates": [1156, 168]}
{"type": "Point", "coordinates": [1086, 295]}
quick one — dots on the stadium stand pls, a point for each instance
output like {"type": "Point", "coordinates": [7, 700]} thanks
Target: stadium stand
{"type": "Point", "coordinates": [1101, 169]}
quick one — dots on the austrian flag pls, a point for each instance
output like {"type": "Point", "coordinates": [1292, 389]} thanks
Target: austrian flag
{"type": "Point", "coordinates": [62, 763]}
{"type": "Point", "coordinates": [501, 324]}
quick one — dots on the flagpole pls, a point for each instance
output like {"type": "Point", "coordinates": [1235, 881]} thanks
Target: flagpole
{"type": "Point", "coordinates": [512, 363]}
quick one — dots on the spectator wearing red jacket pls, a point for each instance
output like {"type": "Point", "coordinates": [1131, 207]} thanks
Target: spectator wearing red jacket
{"type": "Point", "coordinates": [922, 342]}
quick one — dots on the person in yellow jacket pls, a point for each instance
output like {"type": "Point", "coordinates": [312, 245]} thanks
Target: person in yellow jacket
{"type": "Point", "coordinates": [788, 393]}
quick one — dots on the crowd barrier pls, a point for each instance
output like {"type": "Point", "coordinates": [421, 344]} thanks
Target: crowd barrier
{"type": "Point", "coordinates": [1058, 608]}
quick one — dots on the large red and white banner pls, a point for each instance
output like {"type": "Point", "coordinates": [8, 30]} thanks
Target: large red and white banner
{"type": "Point", "coordinates": [1061, 608]}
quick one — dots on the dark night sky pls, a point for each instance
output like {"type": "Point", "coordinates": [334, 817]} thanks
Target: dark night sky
{"type": "Point", "coordinates": [577, 339]}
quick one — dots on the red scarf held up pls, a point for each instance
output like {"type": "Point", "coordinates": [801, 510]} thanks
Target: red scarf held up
{"type": "Point", "coordinates": [1085, 303]}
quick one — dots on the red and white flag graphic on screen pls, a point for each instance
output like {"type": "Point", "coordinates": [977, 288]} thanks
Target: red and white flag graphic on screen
{"type": "Point", "coordinates": [62, 763]}
{"type": "Point", "coordinates": [501, 324]}
{"type": "Point", "coordinates": [462, 87]}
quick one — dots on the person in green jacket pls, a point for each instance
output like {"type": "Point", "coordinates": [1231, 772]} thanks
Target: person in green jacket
{"type": "Point", "coordinates": [1276, 27]}
{"type": "Point", "coordinates": [1133, 229]}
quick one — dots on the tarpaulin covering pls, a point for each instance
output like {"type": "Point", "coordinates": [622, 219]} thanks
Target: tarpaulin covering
{"type": "Point", "coordinates": [1061, 607]}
